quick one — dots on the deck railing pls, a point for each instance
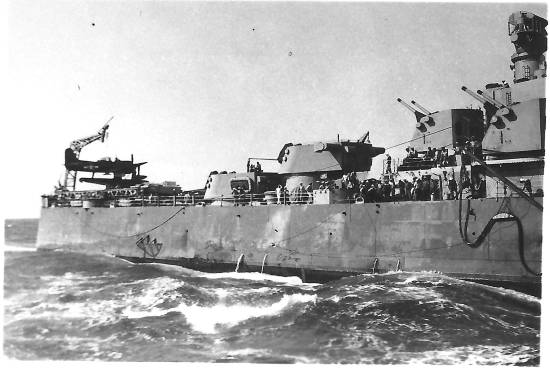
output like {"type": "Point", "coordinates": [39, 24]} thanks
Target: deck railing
{"type": "Point", "coordinates": [121, 201]}
{"type": "Point", "coordinates": [88, 200]}
{"type": "Point", "coordinates": [84, 200]}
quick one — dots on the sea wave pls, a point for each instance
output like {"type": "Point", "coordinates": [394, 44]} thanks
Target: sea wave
{"type": "Point", "coordinates": [209, 319]}
{"type": "Point", "coordinates": [70, 306]}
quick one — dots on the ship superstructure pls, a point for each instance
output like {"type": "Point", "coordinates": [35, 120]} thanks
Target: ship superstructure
{"type": "Point", "coordinates": [466, 199]}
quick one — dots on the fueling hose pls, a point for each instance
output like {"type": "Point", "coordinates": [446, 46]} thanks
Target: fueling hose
{"type": "Point", "coordinates": [508, 216]}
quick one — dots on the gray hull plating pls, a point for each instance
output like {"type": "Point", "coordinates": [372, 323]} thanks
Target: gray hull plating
{"type": "Point", "coordinates": [338, 239]}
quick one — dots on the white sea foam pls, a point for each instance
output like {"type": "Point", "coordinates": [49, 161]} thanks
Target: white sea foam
{"type": "Point", "coordinates": [419, 291]}
{"type": "Point", "coordinates": [171, 268]}
{"type": "Point", "coordinates": [157, 291]}
{"type": "Point", "coordinates": [470, 355]}
{"type": "Point", "coordinates": [126, 303]}
{"type": "Point", "coordinates": [443, 279]}
{"type": "Point", "coordinates": [206, 319]}
{"type": "Point", "coordinates": [409, 280]}
{"type": "Point", "coordinates": [238, 354]}
{"type": "Point", "coordinates": [253, 276]}
{"type": "Point", "coordinates": [506, 293]}
{"type": "Point", "coordinates": [335, 298]}
{"type": "Point", "coordinates": [62, 284]}
{"type": "Point", "coordinates": [17, 248]}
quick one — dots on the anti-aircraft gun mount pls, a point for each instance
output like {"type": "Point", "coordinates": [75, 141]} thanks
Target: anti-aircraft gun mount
{"type": "Point", "coordinates": [440, 130]}
{"type": "Point", "coordinates": [423, 118]}
{"type": "Point", "coordinates": [497, 111]}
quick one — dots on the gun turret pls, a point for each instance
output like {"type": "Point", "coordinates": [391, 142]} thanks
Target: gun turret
{"type": "Point", "coordinates": [323, 157]}
{"type": "Point", "coordinates": [426, 120]}
{"type": "Point", "coordinates": [503, 112]}
{"type": "Point", "coordinates": [498, 111]}
{"type": "Point", "coordinates": [419, 115]}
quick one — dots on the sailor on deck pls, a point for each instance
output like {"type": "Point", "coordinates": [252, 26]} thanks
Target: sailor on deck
{"type": "Point", "coordinates": [388, 164]}
{"type": "Point", "coordinates": [527, 186]}
{"type": "Point", "coordinates": [235, 194]}
{"type": "Point", "coordinates": [309, 190]}
{"type": "Point", "coordinates": [301, 194]}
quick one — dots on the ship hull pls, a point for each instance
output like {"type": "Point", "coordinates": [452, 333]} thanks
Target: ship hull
{"type": "Point", "coordinates": [315, 242]}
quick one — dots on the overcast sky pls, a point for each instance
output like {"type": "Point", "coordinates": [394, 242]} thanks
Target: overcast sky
{"type": "Point", "coordinates": [196, 87]}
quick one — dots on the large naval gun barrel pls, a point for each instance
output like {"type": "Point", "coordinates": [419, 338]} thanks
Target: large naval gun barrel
{"type": "Point", "coordinates": [492, 101]}
{"type": "Point", "coordinates": [474, 95]}
{"type": "Point", "coordinates": [407, 106]}
{"type": "Point", "coordinates": [482, 97]}
{"type": "Point", "coordinates": [427, 112]}
{"type": "Point", "coordinates": [422, 118]}
{"type": "Point", "coordinates": [417, 114]}
{"type": "Point", "coordinates": [500, 110]}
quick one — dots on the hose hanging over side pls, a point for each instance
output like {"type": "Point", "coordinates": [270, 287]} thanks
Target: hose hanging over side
{"type": "Point", "coordinates": [502, 217]}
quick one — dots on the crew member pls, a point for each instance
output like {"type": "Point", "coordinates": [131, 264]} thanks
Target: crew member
{"type": "Point", "coordinates": [301, 193]}
{"type": "Point", "coordinates": [527, 187]}
{"type": "Point", "coordinates": [445, 187]}
{"type": "Point", "coordinates": [278, 192]}
{"type": "Point", "coordinates": [309, 190]}
{"type": "Point", "coordinates": [258, 167]}
{"type": "Point", "coordinates": [453, 188]}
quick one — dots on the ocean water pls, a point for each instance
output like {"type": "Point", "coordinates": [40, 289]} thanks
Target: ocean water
{"type": "Point", "coordinates": [67, 306]}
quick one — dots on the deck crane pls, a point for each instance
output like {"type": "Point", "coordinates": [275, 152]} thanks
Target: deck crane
{"type": "Point", "coordinates": [76, 146]}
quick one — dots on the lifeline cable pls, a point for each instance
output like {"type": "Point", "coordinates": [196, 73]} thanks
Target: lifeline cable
{"type": "Point", "coordinates": [305, 231]}
{"type": "Point", "coordinates": [412, 140]}
{"type": "Point", "coordinates": [144, 232]}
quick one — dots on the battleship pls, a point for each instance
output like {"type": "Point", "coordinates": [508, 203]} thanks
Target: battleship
{"type": "Point", "coordinates": [466, 199]}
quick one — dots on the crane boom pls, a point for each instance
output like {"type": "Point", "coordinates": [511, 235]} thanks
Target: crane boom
{"type": "Point", "coordinates": [78, 144]}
